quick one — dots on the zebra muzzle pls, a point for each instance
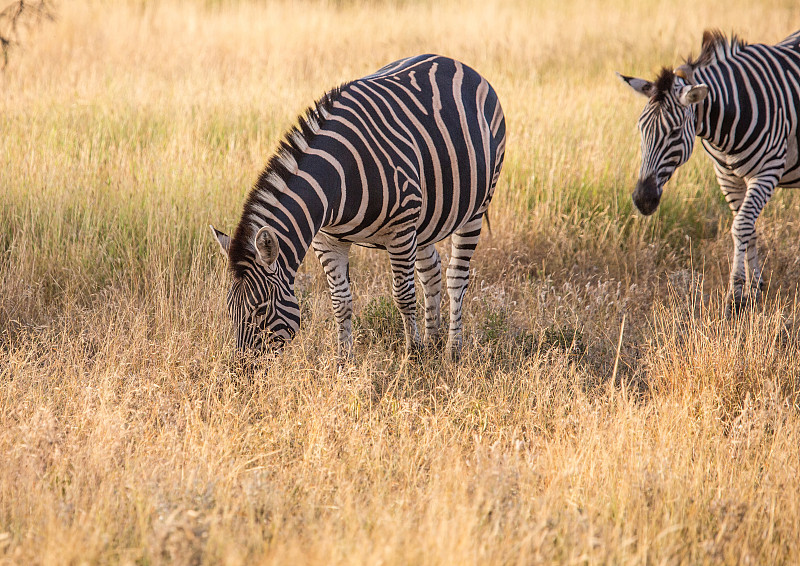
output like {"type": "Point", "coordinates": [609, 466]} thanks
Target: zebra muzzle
{"type": "Point", "coordinates": [646, 196]}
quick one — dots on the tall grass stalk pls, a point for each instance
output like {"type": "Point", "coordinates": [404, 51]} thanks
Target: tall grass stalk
{"type": "Point", "coordinates": [127, 435]}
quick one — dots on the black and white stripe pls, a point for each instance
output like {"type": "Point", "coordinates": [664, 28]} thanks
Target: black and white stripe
{"type": "Point", "coordinates": [742, 101]}
{"type": "Point", "coordinates": [397, 160]}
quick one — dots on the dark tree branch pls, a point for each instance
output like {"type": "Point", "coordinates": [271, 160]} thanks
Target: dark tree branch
{"type": "Point", "coordinates": [19, 15]}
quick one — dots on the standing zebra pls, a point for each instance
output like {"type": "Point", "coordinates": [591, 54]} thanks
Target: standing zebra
{"type": "Point", "coordinates": [743, 101]}
{"type": "Point", "coordinates": [397, 160]}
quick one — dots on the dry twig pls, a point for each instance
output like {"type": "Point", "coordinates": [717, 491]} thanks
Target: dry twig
{"type": "Point", "coordinates": [19, 16]}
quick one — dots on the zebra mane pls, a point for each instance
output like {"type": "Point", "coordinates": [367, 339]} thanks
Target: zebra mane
{"type": "Point", "coordinates": [663, 84]}
{"type": "Point", "coordinates": [272, 180]}
{"type": "Point", "coordinates": [715, 48]}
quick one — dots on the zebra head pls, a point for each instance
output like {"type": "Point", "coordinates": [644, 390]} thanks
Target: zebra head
{"type": "Point", "coordinates": [667, 126]}
{"type": "Point", "coordinates": [261, 301]}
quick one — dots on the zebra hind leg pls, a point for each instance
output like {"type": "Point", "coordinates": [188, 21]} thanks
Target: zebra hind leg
{"type": "Point", "coordinates": [463, 242]}
{"type": "Point", "coordinates": [333, 256]}
{"type": "Point", "coordinates": [755, 283]}
{"type": "Point", "coordinates": [429, 271]}
{"type": "Point", "coordinates": [402, 256]}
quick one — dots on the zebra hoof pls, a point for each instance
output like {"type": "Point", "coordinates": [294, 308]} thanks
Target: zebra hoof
{"type": "Point", "coordinates": [756, 292]}
{"type": "Point", "coordinates": [735, 305]}
{"type": "Point", "coordinates": [434, 341]}
{"type": "Point", "coordinates": [344, 355]}
{"type": "Point", "coordinates": [344, 362]}
{"type": "Point", "coordinates": [413, 349]}
{"type": "Point", "coordinates": [453, 351]}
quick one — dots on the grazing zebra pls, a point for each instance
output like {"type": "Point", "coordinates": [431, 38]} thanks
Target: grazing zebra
{"type": "Point", "coordinates": [742, 101]}
{"type": "Point", "coordinates": [397, 160]}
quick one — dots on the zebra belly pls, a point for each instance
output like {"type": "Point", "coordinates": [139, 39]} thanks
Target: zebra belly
{"type": "Point", "coordinates": [436, 214]}
{"type": "Point", "coordinates": [791, 175]}
{"type": "Point", "coordinates": [728, 162]}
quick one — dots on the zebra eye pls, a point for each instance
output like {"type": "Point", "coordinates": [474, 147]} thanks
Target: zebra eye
{"type": "Point", "coordinates": [260, 310]}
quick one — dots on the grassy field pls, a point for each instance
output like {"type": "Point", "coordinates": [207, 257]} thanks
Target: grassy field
{"type": "Point", "coordinates": [603, 412]}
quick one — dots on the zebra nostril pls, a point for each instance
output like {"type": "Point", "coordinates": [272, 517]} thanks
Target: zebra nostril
{"type": "Point", "coordinates": [646, 196]}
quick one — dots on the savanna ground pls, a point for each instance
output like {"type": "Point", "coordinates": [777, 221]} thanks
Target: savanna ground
{"type": "Point", "coordinates": [128, 436]}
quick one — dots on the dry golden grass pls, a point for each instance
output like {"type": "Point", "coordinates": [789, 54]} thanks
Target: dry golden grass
{"type": "Point", "coordinates": [126, 436]}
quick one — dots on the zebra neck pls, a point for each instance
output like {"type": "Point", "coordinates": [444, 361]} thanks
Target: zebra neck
{"type": "Point", "coordinates": [295, 212]}
{"type": "Point", "coordinates": [715, 116]}
{"type": "Point", "coordinates": [703, 112]}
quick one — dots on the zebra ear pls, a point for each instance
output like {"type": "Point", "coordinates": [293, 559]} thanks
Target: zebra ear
{"type": "Point", "coordinates": [692, 94]}
{"type": "Point", "coordinates": [266, 247]}
{"type": "Point", "coordinates": [643, 87]}
{"type": "Point", "coordinates": [223, 240]}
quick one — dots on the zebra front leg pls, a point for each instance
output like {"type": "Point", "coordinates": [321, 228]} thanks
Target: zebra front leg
{"type": "Point", "coordinates": [743, 232]}
{"type": "Point", "coordinates": [402, 255]}
{"type": "Point", "coordinates": [463, 243]}
{"type": "Point", "coordinates": [429, 271]}
{"type": "Point", "coordinates": [333, 256]}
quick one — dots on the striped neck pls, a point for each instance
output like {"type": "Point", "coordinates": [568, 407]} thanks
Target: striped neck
{"type": "Point", "coordinates": [294, 195]}
{"type": "Point", "coordinates": [295, 215]}
{"type": "Point", "coordinates": [708, 112]}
